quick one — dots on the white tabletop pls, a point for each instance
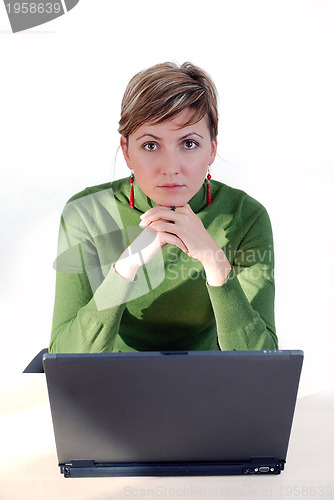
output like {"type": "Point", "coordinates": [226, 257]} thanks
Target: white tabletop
{"type": "Point", "coordinates": [29, 466]}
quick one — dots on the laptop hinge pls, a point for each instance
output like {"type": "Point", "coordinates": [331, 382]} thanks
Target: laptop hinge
{"type": "Point", "coordinates": [88, 468]}
{"type": "Point", "coordinates": [82, 463]}
{"type": "Point", "coordinates": [66, 468]}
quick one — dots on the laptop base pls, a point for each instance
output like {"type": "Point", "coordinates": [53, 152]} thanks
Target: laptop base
{"type": "Point", "coordinates": [88, 468]}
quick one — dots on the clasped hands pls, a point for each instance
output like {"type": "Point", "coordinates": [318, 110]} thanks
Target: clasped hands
{"type": "Point", "coordinates": [182, 228]}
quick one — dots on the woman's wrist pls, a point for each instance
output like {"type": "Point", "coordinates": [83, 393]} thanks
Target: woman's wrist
{"type": "Point", "coordinates": [127, 267]}
{"type": "Point", "coordinates": [217, 268]}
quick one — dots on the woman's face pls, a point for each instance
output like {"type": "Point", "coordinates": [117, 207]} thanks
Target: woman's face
{"type": "Point", "coordinates": [170, 163]}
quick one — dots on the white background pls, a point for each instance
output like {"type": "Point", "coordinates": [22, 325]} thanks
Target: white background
{"type": "Point", "coordinates": [61, 86]}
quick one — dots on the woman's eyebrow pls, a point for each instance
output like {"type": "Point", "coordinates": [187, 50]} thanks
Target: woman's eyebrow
{"type": "Point", "coordinates": [190, 133]}
{"type": "Point", "coordinates": [149, 135]}
{"type": "Point", "coordinates": [159, 138]}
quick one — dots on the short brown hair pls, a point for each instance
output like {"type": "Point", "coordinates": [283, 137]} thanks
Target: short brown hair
{"type": "Point", "coordinates": [159, 93]}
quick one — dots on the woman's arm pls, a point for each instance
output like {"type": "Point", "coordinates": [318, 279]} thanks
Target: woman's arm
{"type": "Point", "coordinates": [244, 304]}
{"type": "Point", "coordinates": [83, 322]}
{"type": "Point", "coordinates": [243, 297]}
{"type": "Point", "coordinates": [96, 277]}
{"type": "Point", "coordinates": [88, 306]}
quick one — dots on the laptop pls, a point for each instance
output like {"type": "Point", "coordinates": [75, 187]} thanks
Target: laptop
{"type": "Point", "coordinates": [172, 413]}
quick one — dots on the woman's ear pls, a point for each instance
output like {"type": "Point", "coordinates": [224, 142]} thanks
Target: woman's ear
{"type": "Point", "coordinates": [125, 150]}
{"type": "Point", "coordinates": [214, 144]}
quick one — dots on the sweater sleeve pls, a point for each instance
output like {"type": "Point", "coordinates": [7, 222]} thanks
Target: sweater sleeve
{"type": "Point", "coordinates": [79, 325]}
{"type": "Point", "coordinates": [244, 304]}
{"type": "Point", "coordinates": [90, 296]}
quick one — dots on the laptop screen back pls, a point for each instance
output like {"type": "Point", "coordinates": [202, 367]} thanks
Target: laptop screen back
{"type": "Point", "coordinates": [172, 407]}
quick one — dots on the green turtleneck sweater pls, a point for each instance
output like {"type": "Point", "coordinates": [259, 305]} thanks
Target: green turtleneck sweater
{"type": "Point", "coordinates": [169, 306]}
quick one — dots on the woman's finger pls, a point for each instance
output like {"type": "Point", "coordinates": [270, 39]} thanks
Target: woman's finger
{"type": "Point", "coordinates": [164, 226]}
{"type": "Point", "coordinates": [160, 212]}
{"type": "Point", "coordinates": [148, 221]}
{"type": "Point", "coordinates": [172, 239]}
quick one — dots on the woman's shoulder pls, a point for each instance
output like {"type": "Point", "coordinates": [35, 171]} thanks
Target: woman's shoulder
{"type": "Point", "coordinates": [115, 187]}
{"type": "Point", "coordinates": [95, 209]}
{"type": "Point", "coordinates": [236, 208]}
{"type": "Point", "coordinates": [234, 199]}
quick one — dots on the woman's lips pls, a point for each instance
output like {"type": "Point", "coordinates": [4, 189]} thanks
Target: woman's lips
{"type": "Point", "coordinates": [171, 187]}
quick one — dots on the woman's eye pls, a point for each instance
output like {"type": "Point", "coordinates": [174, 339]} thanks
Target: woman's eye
{"type": "Point", "coordinates": [190, 144]}
{"type": "Point", "coordinates": [150, 146]}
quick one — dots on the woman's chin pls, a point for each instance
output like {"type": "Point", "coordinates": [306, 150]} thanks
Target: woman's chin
{"type": "Point", "coordinates": [169, 199]}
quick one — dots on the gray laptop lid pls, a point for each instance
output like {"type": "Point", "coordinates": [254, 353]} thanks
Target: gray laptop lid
{"type": "Point", "coordinates": [131, 409]}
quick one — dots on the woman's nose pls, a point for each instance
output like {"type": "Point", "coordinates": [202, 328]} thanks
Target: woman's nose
{"type": "Point", "coordinates": [170, 163]}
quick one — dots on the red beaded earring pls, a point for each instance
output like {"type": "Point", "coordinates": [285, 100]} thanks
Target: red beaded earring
{"type": "Point", "coordinates": [132, 200]}
{"type": "Point", "coordinates": [208, 188]}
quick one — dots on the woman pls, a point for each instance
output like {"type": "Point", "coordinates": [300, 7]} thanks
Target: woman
{"type": "Point", "coordinates": [166, 259]}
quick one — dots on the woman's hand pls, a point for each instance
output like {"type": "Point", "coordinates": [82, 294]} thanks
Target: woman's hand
{"type": "Point", "coordinates": [181, 228]}
{"type": "Point", "coordinates": [143, 248]}
{"type": "Point", "coordinates": [184, 226]}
